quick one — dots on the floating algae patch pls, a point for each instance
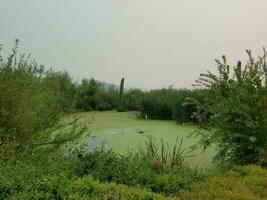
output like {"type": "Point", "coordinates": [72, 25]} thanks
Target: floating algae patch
{"type": "Point", "coordinates": [123, 131]}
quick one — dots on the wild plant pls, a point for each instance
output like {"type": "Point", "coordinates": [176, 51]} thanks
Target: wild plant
{"type": "Point", "coordinates": [163, 156]}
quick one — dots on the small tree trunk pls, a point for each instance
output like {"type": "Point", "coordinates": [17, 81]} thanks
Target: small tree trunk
{"type": "Point", "coordinates": [121, 104]}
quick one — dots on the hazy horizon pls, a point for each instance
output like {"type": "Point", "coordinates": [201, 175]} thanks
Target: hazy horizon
{"type": "Point", "coordinates": [152, 43]}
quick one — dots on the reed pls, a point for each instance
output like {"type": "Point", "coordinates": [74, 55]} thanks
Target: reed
{"type": "Point", "coordinates": [163, 156]}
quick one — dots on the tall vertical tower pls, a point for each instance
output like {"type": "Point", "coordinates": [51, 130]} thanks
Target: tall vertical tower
{"type": "Point", "coordinates": [121, 103]}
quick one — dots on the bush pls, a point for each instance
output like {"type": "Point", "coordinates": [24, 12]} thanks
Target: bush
{"type": "Point", "coordinates": [37, 177]}
{"type": "Point", "coordinates": [236, 104]}
{"type": "Point", "coordinates": [170, 184]}
{"type": "Point", "coordinates": [110, 167]}
{"type": "Point", "coordinates": [29, 100]}
{"type": "Point", "coordinates": [41, 177]}
{"type": "Point", "coordinates": [157, 168]}
{"type": "Point", "coordinates": [247, 182]}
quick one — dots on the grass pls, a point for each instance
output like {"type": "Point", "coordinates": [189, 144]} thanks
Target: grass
{"type": "Point", "coordinates": [123, 131]}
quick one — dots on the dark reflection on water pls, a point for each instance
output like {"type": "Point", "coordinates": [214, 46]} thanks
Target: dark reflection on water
{"type": "Point", "coordinates": [96, 143]}
{"type": "Point", "coordinates": [91, 145]}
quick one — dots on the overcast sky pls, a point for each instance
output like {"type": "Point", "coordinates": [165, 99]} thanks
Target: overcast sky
{"type": "Point", "coordinates": [152, 43]}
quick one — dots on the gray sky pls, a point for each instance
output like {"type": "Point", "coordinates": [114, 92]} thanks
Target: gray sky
{"type": "Point", "coordinates": [152, 43]}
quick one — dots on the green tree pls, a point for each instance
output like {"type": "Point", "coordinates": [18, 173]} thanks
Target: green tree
{"type": "Point", "coordinates": [95, 95]}
{"type": "Point", "coordinates": [133, 99]}
{"type": "Point", "coordinates": [236, 106]}
{"type": "Point", "coordinates": [67, 89]}
{"type": "Point", "coordinates": [169, 104]}
{"type": "Point", "coordinates": [29, 100]}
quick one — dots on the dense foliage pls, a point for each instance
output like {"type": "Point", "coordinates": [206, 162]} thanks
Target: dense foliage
{"type": "Point", "coordinates": [95, 95]}
{"type": "Point", "coordinates": [247, 182]}
{"type": "Point", "coordinates": [31, 102]}
{"type": "Point", "coordinates": [155, 166]}
{"type": "Point", "coordinates": [169, 104]}
{"type": "Point", "coordinates": [236, 109]}
{"type": "Point", "coordinates": [41, 177]}
{"type": "Point", "coordinates": [37, 177]}
{"type": "Point", "coordinates": [166, 104]}
{"type": "Point", "coordinates": [29, 99]}
{"type": "Point", "coordinates": [133, 98]}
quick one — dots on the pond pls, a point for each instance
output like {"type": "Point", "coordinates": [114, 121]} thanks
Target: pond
{"type": "Point", "coordinates": [123, 132]}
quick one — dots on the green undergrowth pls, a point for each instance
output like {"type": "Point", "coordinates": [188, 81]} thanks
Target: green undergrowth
{"type": "Point", "coordinates": [108, 176]}
{"type": "Point", "coordinates": [240, 183]}
{"type": "Point", "coordinates": [37, 177]}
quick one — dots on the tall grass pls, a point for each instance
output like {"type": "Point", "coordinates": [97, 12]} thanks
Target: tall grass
{"type": "Point", "coordinates": [163, 156]}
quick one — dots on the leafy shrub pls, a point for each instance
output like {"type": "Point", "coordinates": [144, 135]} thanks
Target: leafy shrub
{"type": "Point", "coordinates": [236, 104]}
{"type": "Point", "coordinates": [116, 192]}
{"type": "Point", "coordinates": [170, 184]}
{"type": "Point", "coordinates": [110, 167]}
{"type": "Point", "coordinates": [247, 182]}
{"type": "Point", "coordinates": [157, 168]}
{"type": "Point", "coordinates": [29, 100]}
{"type": "Point", "coordinates": [40, 177]}
{"type": "Point", "coordinates": [37, 177]}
